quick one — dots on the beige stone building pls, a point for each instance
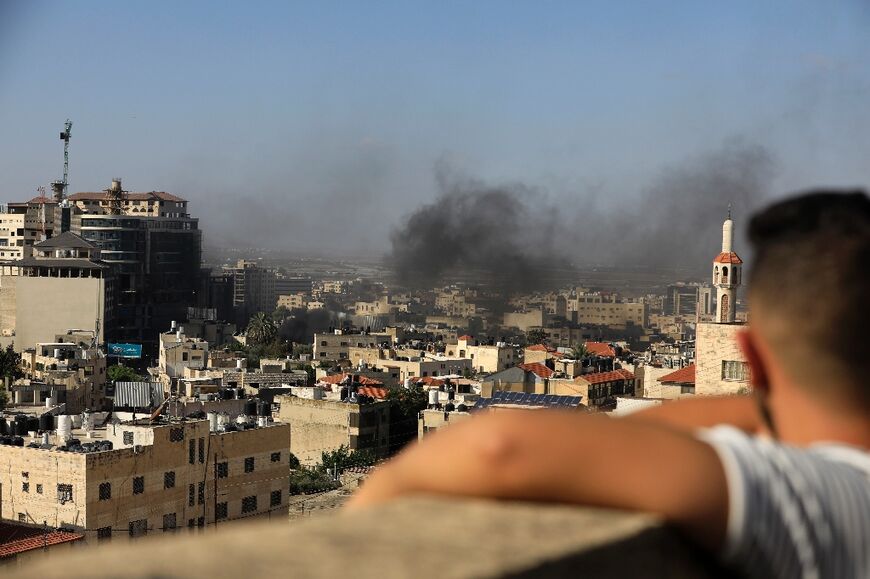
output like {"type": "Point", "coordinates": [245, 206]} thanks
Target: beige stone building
{"type": "Point", "coordinates": [526, 320]}
{"type": "Point", "coordinates": [148, 204]}
{"type": "Point", "coordinates": [157, 478]}
{"type": "Point", "coordinates": [322, 425]}
{"type": "Point", "coordinates": [64, 285]}
{"type": "Point", "coordinates": [607, 310]}
{"type": "Point", "coordinates": [179, 352]}
{"type": "Point", "coordinates": [456, 303]}
{"type": "Point", "coordinates": [336, 346]}
{"type": "Point", "coordinates": [293, 301]}
{"type": "Point", "coordinates": [484, 358]}
{"type": "Point", "coordinates": [66, 372]}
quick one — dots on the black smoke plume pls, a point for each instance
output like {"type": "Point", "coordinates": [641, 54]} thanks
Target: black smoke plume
{"type": "Point", "coordinates": [513, 237]}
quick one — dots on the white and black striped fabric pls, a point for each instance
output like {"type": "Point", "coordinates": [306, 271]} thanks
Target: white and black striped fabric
{"type": "Point", "coordinates": [795, 512]}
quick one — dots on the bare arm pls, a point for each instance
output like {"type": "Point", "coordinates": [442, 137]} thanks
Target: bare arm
{"type": "Point", "coordinates": [694, 413]}
{"type": "Point", "coordinates": [566, 457]}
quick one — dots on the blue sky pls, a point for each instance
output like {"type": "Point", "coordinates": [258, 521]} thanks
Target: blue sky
{"type": "Point", "coordinates": [319, 118]}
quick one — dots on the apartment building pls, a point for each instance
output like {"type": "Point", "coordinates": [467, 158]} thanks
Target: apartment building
{"type": "Point", "coordinates": [331, 347]}
{"type": "Point", "coordinates": [317, 425]}
{"type": "Point", "coordinates": [66, 371]}
{"type": "Point", "coordinates": [484, 358]}
{"type": "Point", "coordinates": [253, 290]}
{"type": "Point", "coordinates": [607, 310]}
{"type": "Point", "coordinates": [64, 285]}
{"type": "Point", "coordinates": [135, 478]}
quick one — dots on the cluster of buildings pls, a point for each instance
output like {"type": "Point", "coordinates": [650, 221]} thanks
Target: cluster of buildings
{"type": "Point", "coordinates": [202, 439]}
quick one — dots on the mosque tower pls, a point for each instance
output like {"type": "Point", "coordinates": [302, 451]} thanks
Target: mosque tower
{"type": "Point", "coordinates": [727, 275]}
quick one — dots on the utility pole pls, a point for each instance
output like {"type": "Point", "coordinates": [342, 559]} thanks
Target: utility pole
{"type": "Point", "coordinates": [215, 491]}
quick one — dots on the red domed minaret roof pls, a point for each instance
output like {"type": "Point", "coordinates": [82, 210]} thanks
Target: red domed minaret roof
{"type": "Point", "coordinates": [728, 257]}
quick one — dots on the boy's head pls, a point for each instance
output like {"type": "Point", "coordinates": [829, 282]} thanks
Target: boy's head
{"type": "Point", "coordinates": [809, 292]}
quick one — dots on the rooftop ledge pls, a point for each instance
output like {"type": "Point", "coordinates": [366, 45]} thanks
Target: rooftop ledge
{"type": "Point", "coordinates": [418, 537]}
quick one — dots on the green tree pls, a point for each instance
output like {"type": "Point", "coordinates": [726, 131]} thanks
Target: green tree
{"type": "Point", "coordinates": [579, 352]}
{"type": "Point", "coordinates": [537, 336]}
{"type": "Point", "coordinates": [10, 364]}
{"type": "Point", "coordinates": [119, 373]}
{"type": "Point", "coordinates": [4, 397]}
{"type": "Point", "coordinates": [407, 404]}
{"type": "Point", "coordinates": [343, 457]}
{"type": "Point", "coordinates": [261, 329]}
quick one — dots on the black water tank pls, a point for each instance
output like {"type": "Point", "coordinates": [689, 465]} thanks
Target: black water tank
{"type": "Point", "coordinates": [264, 409]}
{"type": "Point", "coordinates": [20, 428]}
{"type": "Point", "coordinates": [46, 422]}
{"type": "Point", "coordinates": [250, 407]}
{"type": "Point", "coordinates": [462, 408]}
{"type": "Point", "coordinates": [4, 427]}
{"type": "Point", "coordinates": [32, 424]}
{"type": "Point", "coordinates": [17, 441]}
{"type": "Point", "coordinates": [449, 407]}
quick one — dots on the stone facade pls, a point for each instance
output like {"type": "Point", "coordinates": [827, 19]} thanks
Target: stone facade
{"type": "Point", "coordinates": [720, 366]}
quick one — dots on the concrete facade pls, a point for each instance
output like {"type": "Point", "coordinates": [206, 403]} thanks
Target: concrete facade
{"type": "Point", "coordinates": [318, 425]}
{"type": "Point", "coordinates": [166, 481]}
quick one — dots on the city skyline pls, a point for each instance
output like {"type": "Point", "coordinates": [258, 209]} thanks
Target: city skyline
{"type": "Point", "coordinates": [316, 120]}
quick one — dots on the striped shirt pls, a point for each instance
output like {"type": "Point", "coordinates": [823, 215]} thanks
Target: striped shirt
{"type": "Point", "coordinates": [795, 512]}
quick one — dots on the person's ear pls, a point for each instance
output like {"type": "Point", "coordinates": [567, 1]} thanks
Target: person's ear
{"type": "Point", "coordinates": [758, 375]}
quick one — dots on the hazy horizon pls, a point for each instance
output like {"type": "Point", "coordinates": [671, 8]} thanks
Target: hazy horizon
{"type": "Point", "coordinates": [327, 129]}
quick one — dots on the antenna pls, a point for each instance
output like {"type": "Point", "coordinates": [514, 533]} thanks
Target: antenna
{"type": "Point", "coordinates": [60, 187]}
{"type": "Point", "coordinates": [729, 211]}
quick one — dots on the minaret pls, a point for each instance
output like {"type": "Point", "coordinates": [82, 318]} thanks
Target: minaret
{"type": "Point", "coordinates": [727, 275]}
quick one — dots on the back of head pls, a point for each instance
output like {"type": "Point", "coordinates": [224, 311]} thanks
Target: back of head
{"type": "Point", "coordinates": [810, 286]}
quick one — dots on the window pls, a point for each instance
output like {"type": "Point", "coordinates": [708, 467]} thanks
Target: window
{"type": "Point", "coordinates": [275, 499]}
{"type": "Point", "coordinates": [39, 489]}
{"type": "Point", "coordinates": [128, 438]}
{"type": "Point", "coordinates": [249, 464]}
{"type": "Point", "coordinates": [201, 454]}
{"type": "Point", "coordinates": [169, 479]}
{"type": "Point", "coordinates": [191, 495]}
{"type": "Point", "coordinates": [191, 451]}
{"type": "Point", "coordinates": [276, 457]}
{"type": "Point", "coordinates": [734, 371]}
{"type": "Point", "coordinates": [176, 435]}
{"type": "Point", "coordinates": [22, 518]}
{"type": "Point", "coordinates": [138, 485]}
{"type": "Point", "coordinates": [249, 504]}
{"type": "Point", "coordinates": [25, 487]}
{"type": "Point", "coordinates": [104, 533]}
{"type": "Point", "coordinates": [64, 493]}
{"type": "Point", "coordinates": [223, 470]}
{"type": "Point", "coordinates": [168, 521]}
{"type": "Point", "coordinates": [200, 522]}
{"type": "Point", "coordinates": [221, 511]}
{"type": "Point", "coordinates": [200, 493]}
{"type": "Point", "coordinates": [138, 528]}
{"type": "Point", "coordinates": [105, 491]}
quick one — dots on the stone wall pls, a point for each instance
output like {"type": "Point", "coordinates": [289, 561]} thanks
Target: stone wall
{"type": "Point", "coordinates": [714, 344]}
{"type": "Point", "coordinates": [409, 538]}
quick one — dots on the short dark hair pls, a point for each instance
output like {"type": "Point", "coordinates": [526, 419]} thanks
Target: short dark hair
{"type": "Point", "coordinates": [810, 282]}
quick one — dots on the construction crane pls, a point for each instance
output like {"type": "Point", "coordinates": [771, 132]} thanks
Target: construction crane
{"type": "Point", "coordinates": [59, 187]}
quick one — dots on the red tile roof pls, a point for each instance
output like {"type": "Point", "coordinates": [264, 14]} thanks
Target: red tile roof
{"type": "Point", "coordinates": [15, 539]}
{"type": "Point", "coordinates": [466, 337]}
{"type": "Point", "coordinates": [379, 393]}
{"type": "Point", "coordinates": [430, 381]}
{"type": "Point", "coordinates": [600, 349]}
{"type": "Point", "coordinates": [338, 378]}
{"type": "Point", "coordinates": [540, 348]}
{"type": "Point", "coordinates": [682, 376]}
{"type": "Point", "coordinates": [726, 257]}
{"type": "Point", "coordinates": [537, 369]}
{"type": "Point", "coordinates": [601, 377]}
{"type": "Point", "coordinates": [41, 200]}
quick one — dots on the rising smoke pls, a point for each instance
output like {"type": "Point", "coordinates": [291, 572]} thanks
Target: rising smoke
{"type": "Point", "coordinates": [492, 231]}
{"type": "Point", "coordinates": [513, 235]}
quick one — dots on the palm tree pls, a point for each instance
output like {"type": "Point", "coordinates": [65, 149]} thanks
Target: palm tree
{"type": "Point", "coordinates": [579, 352]}
{"type": "Point", "coordinates": [261, 329]}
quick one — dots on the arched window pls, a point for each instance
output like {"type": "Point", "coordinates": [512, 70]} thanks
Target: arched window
{"type": "Point", "coordinates": [724, 274]}
{"type": "Point", "coordinates": [716, 275]}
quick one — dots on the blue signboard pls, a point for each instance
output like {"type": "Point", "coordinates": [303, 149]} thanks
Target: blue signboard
{"type": "Point", "coordinates": [125, 350]}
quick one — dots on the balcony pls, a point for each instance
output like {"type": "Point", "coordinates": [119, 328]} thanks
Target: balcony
{"type": "Point", "coordinates": [408, 538]}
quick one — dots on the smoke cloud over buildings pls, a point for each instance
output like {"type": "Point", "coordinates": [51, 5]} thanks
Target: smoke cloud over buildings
{"type": "Point", "coordinates": [512, 235]}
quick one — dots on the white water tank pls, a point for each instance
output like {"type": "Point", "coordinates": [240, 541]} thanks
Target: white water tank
{"type": "Point", "coordinates": [64, 427]}
{"type": "Point", "coordinates": [222, 420]}
{"type": "Point", "coordinates": [433, 397]}
{"type": "Point", "coordinates": [212, 421]}
{"type": "Point", "coordinates": [240, 364]}
{"type": "Point", "coordinates": [408, 383]}
{"type": "Point", "coordinates": [317, 393]}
